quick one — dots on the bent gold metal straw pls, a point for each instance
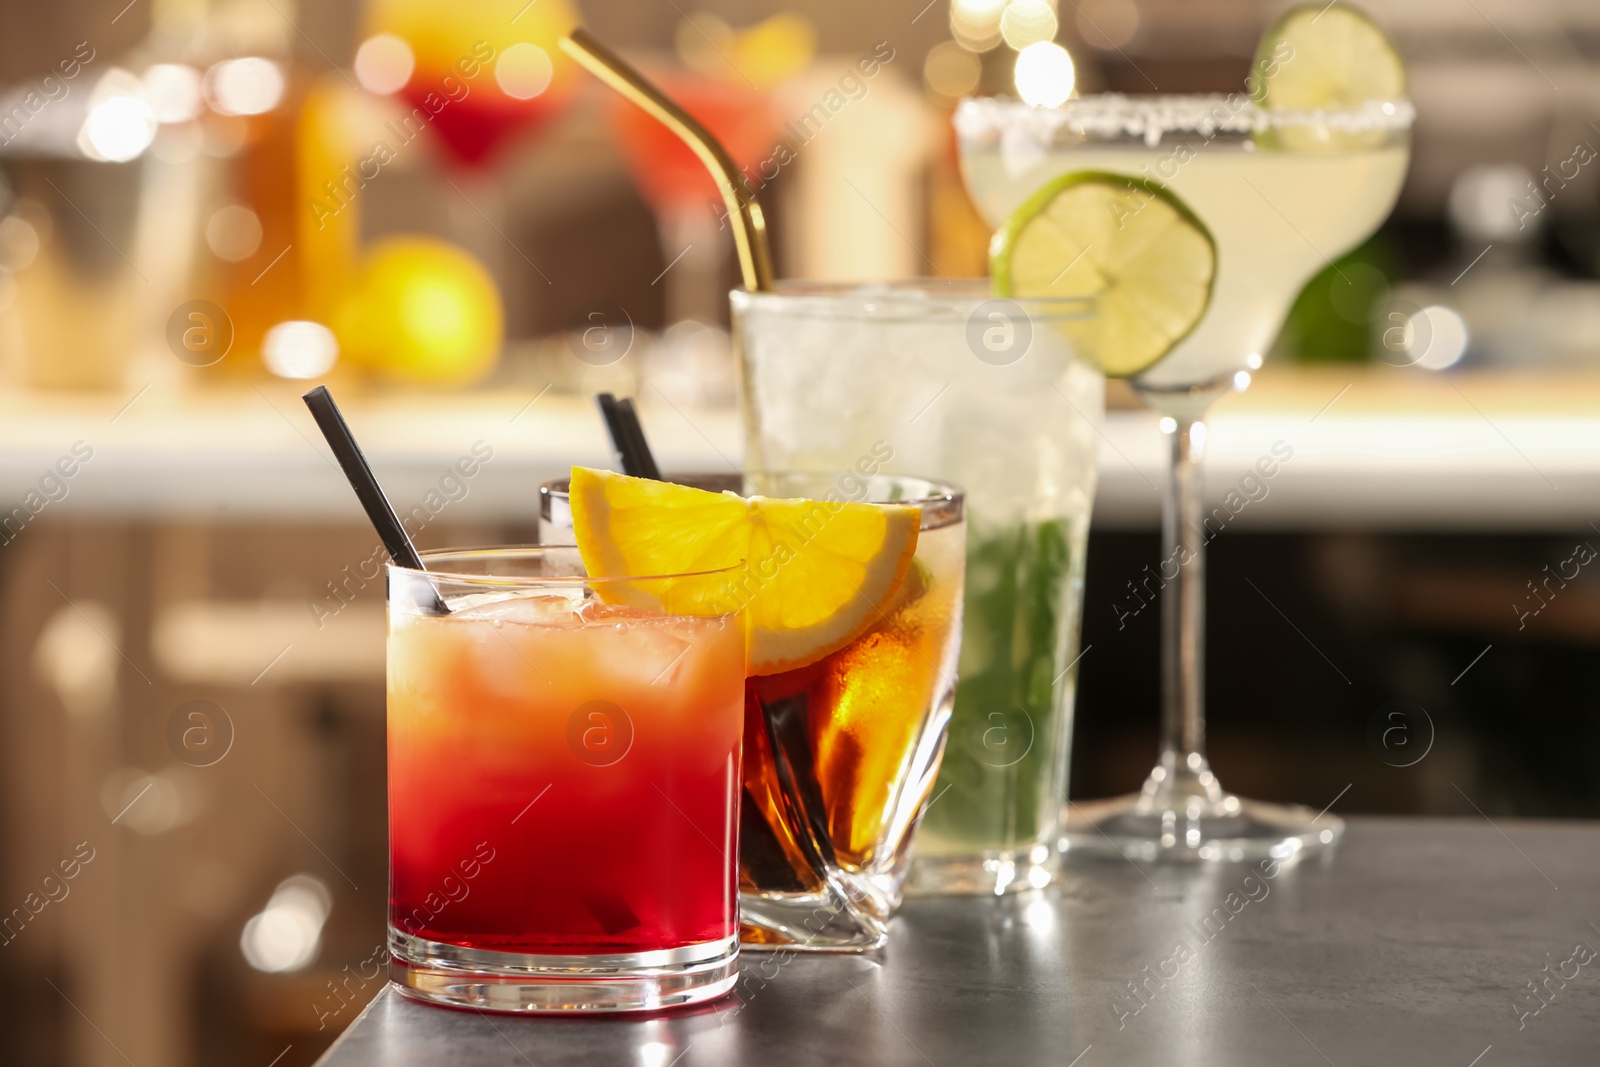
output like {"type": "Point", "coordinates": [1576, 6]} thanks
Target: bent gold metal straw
{"type": "Point", "coordinates": [750, 236]}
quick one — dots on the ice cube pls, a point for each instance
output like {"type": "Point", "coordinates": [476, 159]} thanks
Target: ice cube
{"type": "Point", "coordinates": [657, 653]}
{"type": "Point", "coordinates": [528, 609]}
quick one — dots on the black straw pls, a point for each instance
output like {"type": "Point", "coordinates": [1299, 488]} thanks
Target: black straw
{"type": "Point", "coordinates": [641, 447]}
{"type": "Point", "coordinates": [621, 443]}
{"type": "Point", "coordinates": [362, 480]}
{"type": "Point", "coordinates": [627, 437]}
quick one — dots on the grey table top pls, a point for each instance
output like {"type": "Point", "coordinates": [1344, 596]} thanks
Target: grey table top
{"type": "Point", "coordinates": [1414, 943]}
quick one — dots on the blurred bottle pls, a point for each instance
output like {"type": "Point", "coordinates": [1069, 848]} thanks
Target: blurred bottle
{"type": "Point", "coordinates": [279, 220]}
{"type": "Point", "coordinates": [67, 297]}
{"type": "Point", "coordinates": [71, 286]}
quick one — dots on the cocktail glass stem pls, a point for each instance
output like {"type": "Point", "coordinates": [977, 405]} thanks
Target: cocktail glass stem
{"type": "Point", "coordinates": [1183, 724]}
{"type": "Point", "coordinates": [1182, 771]}
{"type": "Point", "coordinates": [1182, 811]}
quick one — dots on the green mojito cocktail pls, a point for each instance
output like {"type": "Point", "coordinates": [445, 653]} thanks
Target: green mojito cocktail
{"type": "Point", "coordinates": [1004, 774]}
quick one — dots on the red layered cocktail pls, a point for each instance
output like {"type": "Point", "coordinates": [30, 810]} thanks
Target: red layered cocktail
{"type": "Point", "coordinates": [563, 783]}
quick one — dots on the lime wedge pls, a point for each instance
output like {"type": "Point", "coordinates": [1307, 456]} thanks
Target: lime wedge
{"type": "Point", "coordinates": [1128, 243]}
{"type": "Point", "coordinates": [1325, 58]}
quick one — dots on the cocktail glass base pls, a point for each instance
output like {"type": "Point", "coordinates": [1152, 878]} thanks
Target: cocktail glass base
{"type": "Point", "coordinates": [460, 977]}
{"type": "Point", "coordinates": [1183, 814]}
{"type": "Point", "coordinates": [854, 919]}
{"type": "Point", "coordinates": [990, 872]}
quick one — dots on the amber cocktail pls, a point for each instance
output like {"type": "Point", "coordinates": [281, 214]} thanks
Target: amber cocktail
{"type": "Point", "coordinates": [841, 754]}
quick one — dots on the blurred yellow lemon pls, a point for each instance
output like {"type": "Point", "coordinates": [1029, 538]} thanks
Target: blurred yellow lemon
{"type": "Point", "coordinates": [423, 311]}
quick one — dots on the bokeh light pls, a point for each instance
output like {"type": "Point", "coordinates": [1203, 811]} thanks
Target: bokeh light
{"type": "Point", "coordinates": [19, 243]}
{"type": "Point", "coordinates": [1482, 200]}
{"type": "Point", "coordinates": [148, 804]}
{"type": "Point", "coordinates": [975, 24]}
{"type": "Point", "coordinates": [248, 86]}
{"type": "Point", "coordinates": [523, 71]}
{"type": "Point", "coordinates": [119, 127]}
{"type": "Point", "coordinates": [298, 349]}
{"type": "Point", "coordinates": [1026, 22]}
{"type": "Point", "coordinates": [173, 92]}
{"type": "Point", "coordinates": [384, 64]}
{"type": "Point", "coordinates": [233, 232]}
{"type": "Point", "coordinates": [287, 933]}
{"type": "Point", "coordinates": [951, 71]}
{"type": "Point", "coordinates": [1447, 337]}
{"type": "Point", "coordinates": [1107, 24]}
{"type": "Point", "coordinates": [1044, 74]}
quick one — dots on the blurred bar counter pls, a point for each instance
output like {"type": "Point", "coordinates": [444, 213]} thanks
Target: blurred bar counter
{"type": "Point", "coordinates": [1360, 447]}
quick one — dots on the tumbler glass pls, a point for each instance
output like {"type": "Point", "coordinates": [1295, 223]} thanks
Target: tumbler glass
{"type": "Point", "coordinates": [840, 755]}
{"type": "Point", "coordinates": [563, 787]}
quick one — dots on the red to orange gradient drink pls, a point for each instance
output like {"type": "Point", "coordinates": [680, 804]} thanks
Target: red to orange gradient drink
{"type": "Point", "coordinates": [563, 789]}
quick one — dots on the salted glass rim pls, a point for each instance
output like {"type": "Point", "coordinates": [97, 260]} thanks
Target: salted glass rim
{"type": "Point", "coordinates": [1153, 115]}
{"type": "Point", "coordinates": [907, 300]}
{"type": "Point", "coordinates": [523, 581]}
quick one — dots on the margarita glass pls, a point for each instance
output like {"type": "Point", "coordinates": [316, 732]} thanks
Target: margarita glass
{"type": "Point", "coordinates": [677, 186]}
{"type": "Point", "coordinates": [1283, 194]}
{"type": "Point", "coordinates": [840, 755]}
{"type": "Point", "coordinates": [563, 789]}
{"type": "Point", "coordinates": [457, 84]}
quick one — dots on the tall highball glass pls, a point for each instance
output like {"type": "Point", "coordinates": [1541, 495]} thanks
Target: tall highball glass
{"type": "Point", "coordinates": [939, 377]}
